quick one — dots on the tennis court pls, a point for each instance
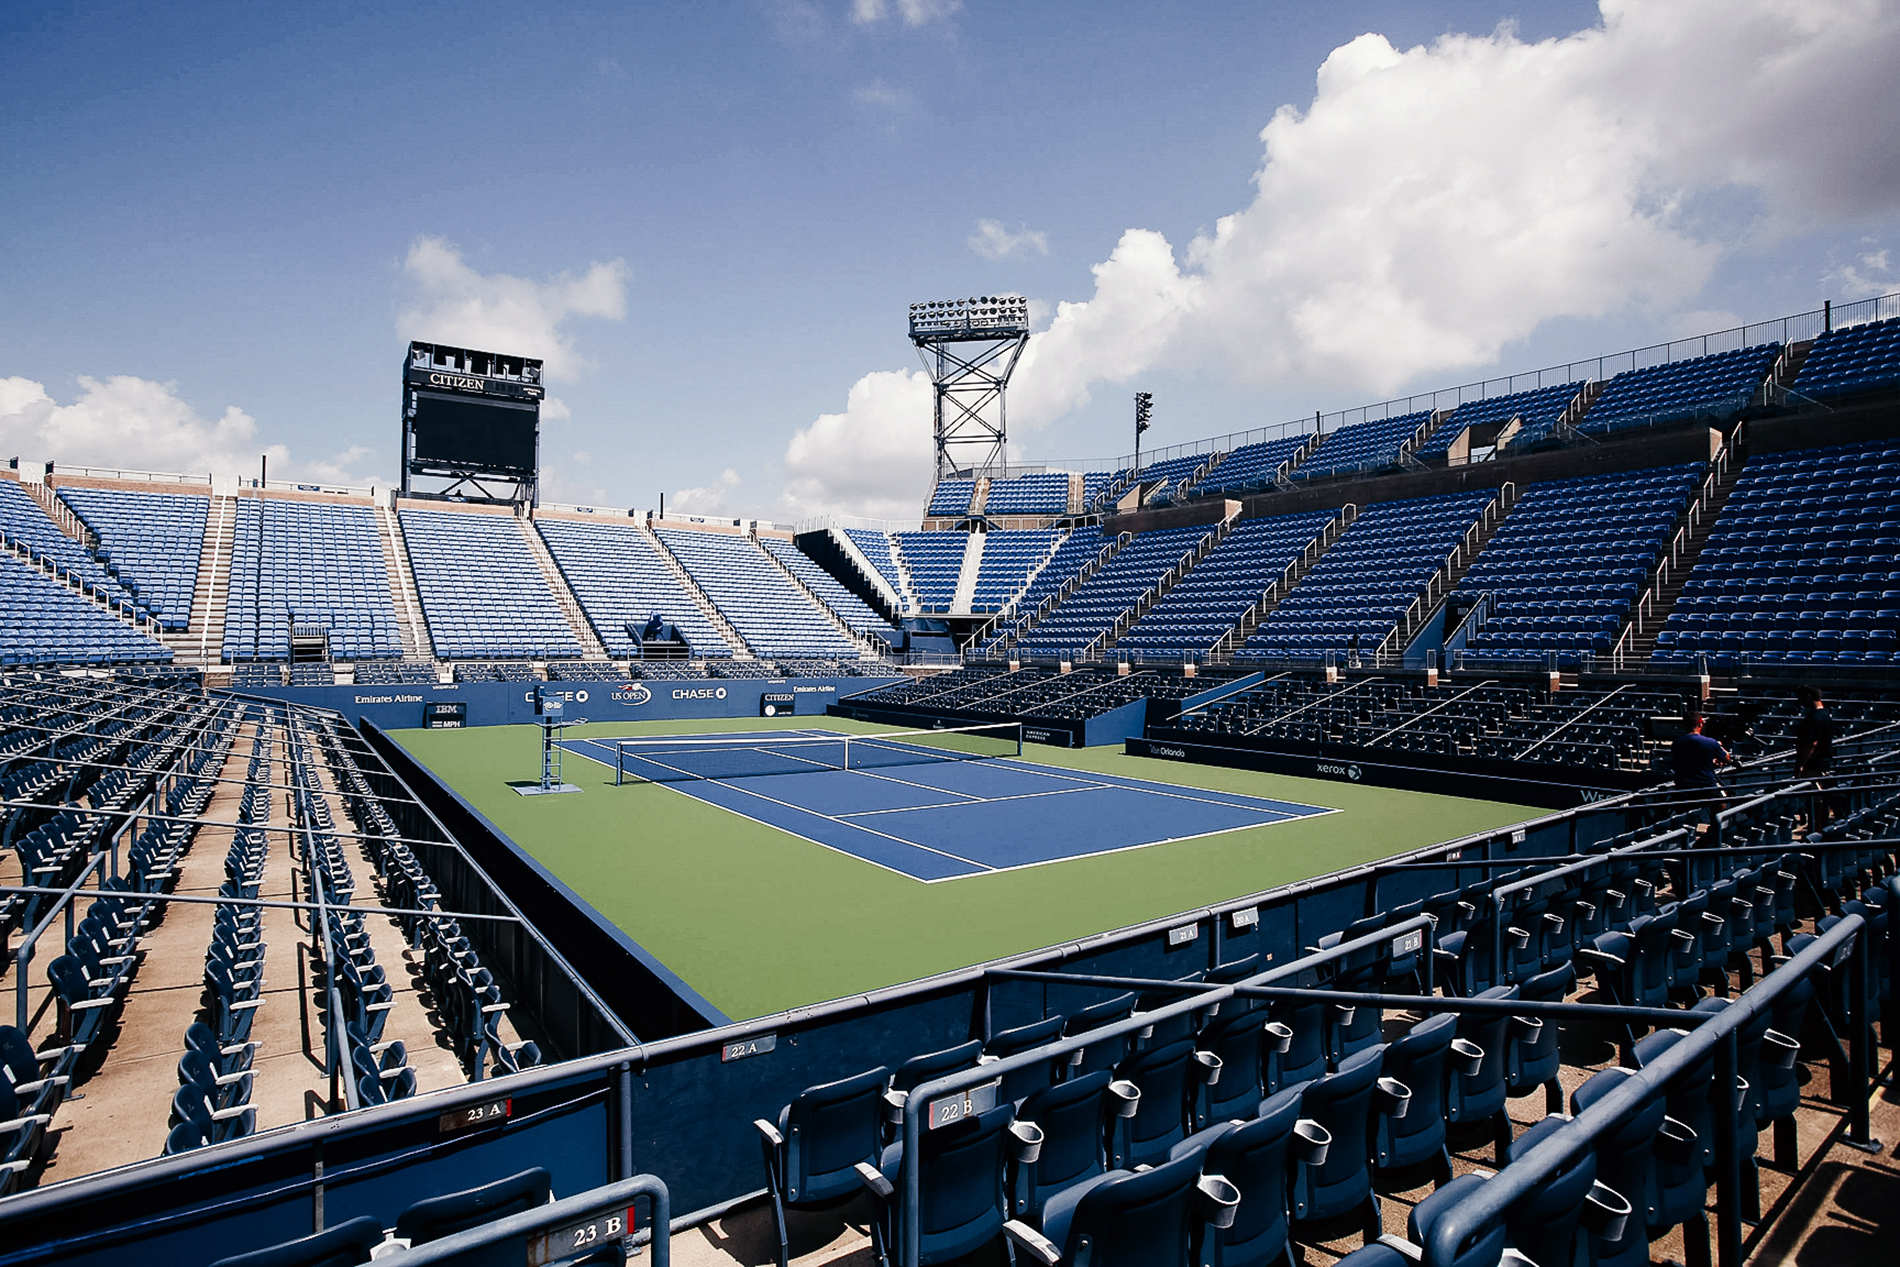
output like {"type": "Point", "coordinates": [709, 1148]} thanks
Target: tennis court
{"type": "Point", "coordinates": [933, 805]}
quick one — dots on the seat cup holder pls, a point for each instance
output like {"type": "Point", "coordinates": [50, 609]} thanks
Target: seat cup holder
{"type": "Point", "coordinates": [1127, 1097]}
{"type": "Point", "coordinates": [1466, 1057]}
{"type": "Point", "coordinates": [1676, 1142]}
{"type": "Point", "coordinates": [894, 1106]}
{"type": "Point", "coordinates": [1311, 1142]}
{"type": "Point", "coordinates": [1741, 1093]}
{"type": "Point", "coordinates": [1393, 1097]}
{"type": "Point", "coordinates": [1220, 1200]}
{"type": "Point", "coordinates": [1343, 1014]}
{"type": "Point", "coordinates": [1527, 1029]}
{"type": "Point", "coordinates": [1518, 937]}
{"type": "Point", "coordinates": [1028, 1142]}
{"type": "Point", "coordinates": [1279, 1037]}
{"type": "Point", "coordinates": [1208, 1065]}
{"type": "Point", "coordinates": [1606, 1213]}
{"type": "Point", "coordinates": [1779, 1050]}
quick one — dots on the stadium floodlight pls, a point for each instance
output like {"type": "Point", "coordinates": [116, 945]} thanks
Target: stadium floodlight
{"type": "Point", "coordinates": [970, 346]}
{"type": "Point", "coordinates": [1144, 410]}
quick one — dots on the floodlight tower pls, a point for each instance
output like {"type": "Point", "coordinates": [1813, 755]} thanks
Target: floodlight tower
{"type": "Point", "coordinates": [970, 346]}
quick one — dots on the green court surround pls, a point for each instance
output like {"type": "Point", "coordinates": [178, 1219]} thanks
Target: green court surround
{"type": "Point", "coordinates": [758, 920]}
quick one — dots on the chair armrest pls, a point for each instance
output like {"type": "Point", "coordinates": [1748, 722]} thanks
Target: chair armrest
{"type": "Point", "coordinates": [1039, 1247]}
{"type": "Point", "coordinates": [1405, 1247]}
{"type": "Point", "coordinates": [85, 1004]}
{"type": "Point", "coordinates": [1591, 952]}
{"type": "Point", "coordinates": [873, 1179]}
{"type": "Point", "coordinates": [31, 1118]}
{"type": "Point", "coordinates": [491, 1008]}
{"type": "Point", "coordinates": [379, 1007]}
{"type": "Point", "coordinates": [237, 1005]}
{"type": "Point", "coordinates": [28, 1088]}
{"type": "Point", "coordinates": [770, 1132]}
{"type": "Point", "coordinates": [225, 1115]}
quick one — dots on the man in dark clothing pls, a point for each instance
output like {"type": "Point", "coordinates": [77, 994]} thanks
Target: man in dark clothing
{"type": "Point", "coordinates": [1695, 756]}
{"type": "Point", "coordinates": [1813, 736]}
{"type": "Point", "coordinates": [1814, 749]}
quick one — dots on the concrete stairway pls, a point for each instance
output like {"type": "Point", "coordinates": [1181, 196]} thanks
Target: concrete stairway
{"type": "Point", "coordinates": [740, 651]}
{"type": "Point", "coordinates": [202, 642]}
{"type": "Point", "coordinates": [416, 644]}
{"type": "Point", "coordinates": [837, 622]}
{"type": "Point", "coordinates": [1276, 593]}
{"type": "Point", "coordinates": [1651, 611]}
{"type": "Point", "coordinates": [1440, 587]}
{"type": "Point", "coordinates": [965, 591]}
{"type": "Point", "coordinates": [591, 646]}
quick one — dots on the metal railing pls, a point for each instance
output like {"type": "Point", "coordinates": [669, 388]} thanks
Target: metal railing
{"type": "Point", "coordinates": [1784, 330]}
{"type": "Point", "coordinates": [1493, 1200]}
{"type": "Point", "coordinates": [1674, 555]}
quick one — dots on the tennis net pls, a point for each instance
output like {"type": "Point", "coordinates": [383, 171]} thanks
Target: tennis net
{"type": "Point", "coordinates": [682, 758]}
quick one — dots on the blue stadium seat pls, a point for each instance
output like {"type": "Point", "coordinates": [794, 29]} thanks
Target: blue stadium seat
{"type": "Point", "coordinates": [823, 1147]}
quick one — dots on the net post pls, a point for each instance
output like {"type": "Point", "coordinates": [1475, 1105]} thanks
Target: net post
{"type": "Point", "coordinates": [1019, 739]}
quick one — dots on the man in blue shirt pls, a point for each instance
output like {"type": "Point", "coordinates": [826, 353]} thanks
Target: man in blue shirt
{"type": "Point", "coordinates": [1695, 757]}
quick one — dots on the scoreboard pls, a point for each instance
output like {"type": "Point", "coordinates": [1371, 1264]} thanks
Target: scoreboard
{"type": "Point", "coordinates": [469, 417]}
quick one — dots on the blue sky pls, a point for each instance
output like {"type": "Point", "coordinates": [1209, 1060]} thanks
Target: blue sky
{"type": "Point", "coordinates": [220, 224]}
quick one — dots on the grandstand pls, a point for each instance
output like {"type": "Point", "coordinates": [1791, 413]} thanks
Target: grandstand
{"type": "Point", "coordinates": [1365, 446]}
{"type": "Point", "coordinates": [1297, 865]}
{"type": "Point", "coordinates": [150, 543]}
{"type": "Point", "coordinates": [1561, 574]}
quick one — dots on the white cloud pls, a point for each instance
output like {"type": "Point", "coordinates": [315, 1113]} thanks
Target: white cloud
{"type": "Point", "coordinates": [1871, 273]}
{"type": "Point", "coordinates": [567, 480]}
{"type": "Point", "coordinates": [874, 459]}
{"type": "Point", "coordinates": [495, 312]}
{"type": "Point", "coordinates": [994, 242]}
{"type": "Point", "coordinates": [708, 499]}
{"type": "Point", "coordinates": [1430, 207]}
{"type": "Point", "coordinates": [878, 93]}
{"type": "Point", "coordinates": [913, 12]}
{"type": "Point", "coordinates": [130, 423]}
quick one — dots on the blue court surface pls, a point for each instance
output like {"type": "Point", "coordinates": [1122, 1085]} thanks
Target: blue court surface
{"type": "Point", "coordinates": [911, 810]}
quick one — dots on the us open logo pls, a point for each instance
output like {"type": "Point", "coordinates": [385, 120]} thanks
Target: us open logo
{"type": "Point", "coordinates": [630, 693]}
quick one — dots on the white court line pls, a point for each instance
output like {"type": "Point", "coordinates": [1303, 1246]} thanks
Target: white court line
{"type": "Point", "coordinates": [1027, 767]}
{"type": "Point", "coordinates": [988, 800]}
{"type": "Point", "coordinates": [830, 818]}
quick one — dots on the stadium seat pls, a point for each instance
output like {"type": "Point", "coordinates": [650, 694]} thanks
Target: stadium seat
{"type": "Point", "coordinates": [1419, 1059]}
{"type": "Point", "coordinates": [344, 1245]}
{"type": "Point", "coordinates": [1478, 1095]}
{"type": "Point", "coordinates": [433, 1218]}
{"type": "Point", "coordinates": [1342, 1103]}
{"type": "Point", "coordinates": [961, 1201]}
{"type": "Point", "coordinates": [1125, 1219]}
{"type": "Point", "coordinates": [1624, 1161]}
{"type": "Point", "coordinates": [824, 1147]}
{"type": "Point", "coordinates": [1023, 1083]}
{"type": "Point", "coordinates": [1075, 1118]}
{"type": "Point", "coordinates": [1169, 1079]}
{"type": "Point", "coordinates": [1256, 1157]}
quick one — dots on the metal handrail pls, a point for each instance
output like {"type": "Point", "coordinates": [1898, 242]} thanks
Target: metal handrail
{"type": "Point", "coordinates": [964, 1079]}
{"type": "Point", "coordinates": [584, 1214]}
{"type": "Point", "coordinates": [1514, 1182]}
